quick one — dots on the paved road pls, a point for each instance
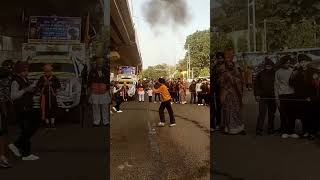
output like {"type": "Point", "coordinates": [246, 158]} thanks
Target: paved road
{"type": "Point", "coordinates": [140, 150]}
{"type": "Point", "coordinates": [70, 152]}
{"type": "Point", "coordinates": [263, 158]}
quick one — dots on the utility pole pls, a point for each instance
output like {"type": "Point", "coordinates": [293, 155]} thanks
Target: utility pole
{"type": "Point", "coordinates": [252, 4]}
{"type": "Point", "coordinates": [192, 74]}
{"type": "Point", "coordinates": [254, 26]}
{"type": "Point", "coordinates": [315, 33]}
{"type": "Point", "coordinates": [265, 36]}
{"type": "Point", "coordinates": [249, 27]}
{"type": "Point", "coordinates": [189, 62]}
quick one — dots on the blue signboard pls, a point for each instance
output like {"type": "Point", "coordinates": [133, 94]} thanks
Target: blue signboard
{"type": "Point", "coordinates": [55, 29]}
{"type": "Point", "coordinates": [127, 70]}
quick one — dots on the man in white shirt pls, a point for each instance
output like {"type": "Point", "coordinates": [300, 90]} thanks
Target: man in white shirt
{"type": "Point", "coordinates": [199, 92]}
{"type": "Point", "coordinates": [284, 94]}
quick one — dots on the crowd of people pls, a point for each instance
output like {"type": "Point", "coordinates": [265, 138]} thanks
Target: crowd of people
{"type": "Point", "coordinates": [17, 94]}
{"type": "Point", "coordinates": [178, 89]}
{"type": "Point", "coordinates": [290, 86]}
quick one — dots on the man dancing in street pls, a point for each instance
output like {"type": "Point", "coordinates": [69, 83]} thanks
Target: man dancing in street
{"type": "Point", "coordinates": [22, 92]}
{"type": "Point", "coordinates": [165, 103]}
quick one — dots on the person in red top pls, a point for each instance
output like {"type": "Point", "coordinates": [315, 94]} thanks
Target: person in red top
{"type": "Point", "coordinates": [165, 103]}
{"type": "Point", "coordinates": [141, 91]}
{"type": "Point", "coordinates": [48, 85]}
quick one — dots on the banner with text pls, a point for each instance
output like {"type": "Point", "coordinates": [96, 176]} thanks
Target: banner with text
{"type": "Point", "coordinates": [55, 29]}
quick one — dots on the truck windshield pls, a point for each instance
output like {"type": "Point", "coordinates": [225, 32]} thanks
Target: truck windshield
{"type": "Point", "coordinates": [57, 67]}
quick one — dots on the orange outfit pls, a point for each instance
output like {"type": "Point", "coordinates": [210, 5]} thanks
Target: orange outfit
{"type": "Point", "coordinates": [163, 90]}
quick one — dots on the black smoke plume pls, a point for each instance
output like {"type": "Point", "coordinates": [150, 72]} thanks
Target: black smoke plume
{"type": "Point", "coordinates": [164, 12]}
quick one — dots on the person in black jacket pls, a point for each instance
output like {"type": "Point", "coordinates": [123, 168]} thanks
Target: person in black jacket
{"type": "Point", "coordinates": [192, 90]}
{"type": "Point", "coordinates": [205, 91]}
{"type": "Point", "coordinates": [156, 95]}
{"type": "Point", "coordinates": [5, 104]}
{"type": "Point", "coordinates": [264, 93]}
{"type": "Point", "coordinates": [22, 92]}
{"type": "Point", "coordinates": [217, 68]}
{"type": "Point", "coordinates": [301, 81]}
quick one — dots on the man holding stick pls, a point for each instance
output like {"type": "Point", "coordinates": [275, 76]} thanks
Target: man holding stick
{"type": "Point", "coordinates": [264, 93]}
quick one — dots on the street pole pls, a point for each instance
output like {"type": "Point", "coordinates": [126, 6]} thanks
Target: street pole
{"type": "Point", "coordinates": [315, 33]}
{"type": "Point", "coordinates": [249, 27]}
{"type": "Point", "coordinates": [192, 74]}
{"type": "Point", "coordinates": [254, 26]}
{"type": "Point", "coordinates": [189, 63]}
{"type": "Point", "coordinates": [265, 36]}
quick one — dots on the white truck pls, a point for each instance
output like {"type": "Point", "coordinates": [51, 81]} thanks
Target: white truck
{"type": "Point", "coordinates": [67, 60]}
{"type": "Point", "coordinates": [127, 74]}
{"type": "Point", "coordinates": [131, 82]}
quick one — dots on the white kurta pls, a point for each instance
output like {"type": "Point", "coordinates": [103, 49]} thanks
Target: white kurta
{"type": "Point", "coordinates": [100, 98]}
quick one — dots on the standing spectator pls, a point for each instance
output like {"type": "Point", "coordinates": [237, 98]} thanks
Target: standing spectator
{"type": "Point", "coordinates": [99, 96]}
{"type": "Point", "coordinates": [176, 89]}
{"type": "Point", "coordinates": [192, 90]}
{"type": "Point", "coordinates": [117, 95]}
{"type": "Point", "coordinates": [285, 93]}
{"type": "Point", "coordinates": [218, 68]}
{"type": "Point", "coordinates": [48, 85]}
{"type": "Point", "coordinates": [182, 92]}
{"type": "Point", "coordinates": [264, 93]}
{"type": "Point", "coordinates": [5, 102]}
{"type": "Point", "coordinates": [313, 114]}
{"type": "Point", "coordinates": [124, 91]}
{"type": "Point", "coordinates": [199, 92]}
{"type": "Point", "coordinates": [249, 77]}
{"type": "Point", "coordinates": [157, 94]}
{"type": "Point", "coordinates": [205, 91]}
{"type": "Point", "coordinates": [165, 104]}
{"type": "Point", "coordinates": [301, 81]}
{"type": "Point", "coordinates": [141, 91]}
{"type": "Point", "coordinates": [172, 90]}
{"type": "Point", "coordinates": [22, 92]}
{"type": "Point", "coordinates": [150, 93]}
{"type": "Point", "coordinates": [231, 100]}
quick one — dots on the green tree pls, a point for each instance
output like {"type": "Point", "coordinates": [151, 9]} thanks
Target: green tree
{"type": "Point", "coordinates": [301, 35]}
{"type": "Point", "coordinates": [220, 41]}
{"type": "Point", "coordinates": [204, 72]}
{"type": "Point", "coordinates": [182, 65]}
{"type": "Point", "coordinates": [199, 44]}
{"type": "Point", "coordinates": [155, 72]}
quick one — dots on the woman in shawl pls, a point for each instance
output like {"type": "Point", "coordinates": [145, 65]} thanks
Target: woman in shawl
{"type": "Point", "coordinates": [48, 85]}
{"type": "Point", "coordinates": [231, 100]}
{"type": "Point", "coordinates": [124, 91]}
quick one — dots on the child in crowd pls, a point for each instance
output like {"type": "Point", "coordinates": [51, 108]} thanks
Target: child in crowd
{"type": "Point", "coordinates": [150, 94]}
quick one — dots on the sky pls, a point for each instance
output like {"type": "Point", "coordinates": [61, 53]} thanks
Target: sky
{"type": "Point", "coordinates": [166, 44]}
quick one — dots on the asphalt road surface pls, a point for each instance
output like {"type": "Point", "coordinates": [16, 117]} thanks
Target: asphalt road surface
{"type": "Point", "coordinates": [263, 158]}
{"type": "Point", "coordinates": [142, 151]}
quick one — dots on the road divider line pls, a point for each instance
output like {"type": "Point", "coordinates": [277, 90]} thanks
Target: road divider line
{"type": "Point", "coordinates": [159, 172]}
